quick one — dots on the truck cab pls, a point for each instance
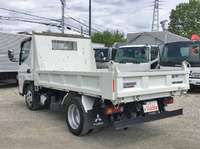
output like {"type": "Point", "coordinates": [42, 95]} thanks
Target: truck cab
{"type": "Point", "coordinates": [103, 55]}
{"type": "Point", "coordinates": [137, 57]}
{"type": "Point", "coordinates": [174, 53]}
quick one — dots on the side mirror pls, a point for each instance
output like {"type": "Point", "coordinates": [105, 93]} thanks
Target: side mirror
{"type": "Point", "coordinates": [11, 56]}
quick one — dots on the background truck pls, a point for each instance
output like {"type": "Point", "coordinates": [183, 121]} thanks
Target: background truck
{"type": "Point", "coordinates": [103, 55]}
{"type": "Point", "coordinates": [8, 69]}
{"type": "Point", "coordinates": [137, 57]}
{"type": "Point", "coordinates": [59, 70]}
{"type": "Point", "coordinates": [174, 53]}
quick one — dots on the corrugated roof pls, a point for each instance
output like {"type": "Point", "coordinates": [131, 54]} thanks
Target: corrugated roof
{"type": "Point", "coordinates": [164, 36]}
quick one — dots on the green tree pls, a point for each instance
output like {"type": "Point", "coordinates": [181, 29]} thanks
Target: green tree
{"type": "Point", "coordinates": [185, 19]}
{"type": "Point", "coordinates": [108, 38]}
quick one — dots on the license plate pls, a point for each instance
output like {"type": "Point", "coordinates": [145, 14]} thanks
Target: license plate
{"type": "Point", "coordinates": [150, 106]}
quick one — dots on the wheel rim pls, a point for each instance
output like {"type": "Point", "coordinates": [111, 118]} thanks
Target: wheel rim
{"type": "Point", "coordinates": [29, 99]}
{"type": "Point", "coordinates": [74, 116]}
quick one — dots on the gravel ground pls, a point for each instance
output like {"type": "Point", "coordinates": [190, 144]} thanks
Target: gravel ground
{"type": "Point", "coordinates": [21, 128]}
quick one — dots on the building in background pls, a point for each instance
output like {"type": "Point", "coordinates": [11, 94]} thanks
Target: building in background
{"type": "Point", "coordinates": [153, 38]}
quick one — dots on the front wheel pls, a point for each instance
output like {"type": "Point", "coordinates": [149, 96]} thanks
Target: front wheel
{"type": "Point", "coordinates": [76, 117]}
{"type": "Point", "coordinates": [31, 98]}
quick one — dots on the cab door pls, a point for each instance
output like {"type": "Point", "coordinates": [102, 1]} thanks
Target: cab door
{"type": "Point", "coordinates": [24, 70]}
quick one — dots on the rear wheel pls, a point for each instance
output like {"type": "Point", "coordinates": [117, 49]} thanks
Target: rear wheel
{"type": "Point", "coordinates": [76, 117]}
{"type": "Point", "coordinates": [31, 98]}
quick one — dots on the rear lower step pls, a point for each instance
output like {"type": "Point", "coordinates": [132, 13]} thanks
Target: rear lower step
{"type": "Point", "coordinates": [145, 119]}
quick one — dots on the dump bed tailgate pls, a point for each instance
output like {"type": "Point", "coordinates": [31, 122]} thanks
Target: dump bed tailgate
{"type": "Point", "coordinates": [132, 86]}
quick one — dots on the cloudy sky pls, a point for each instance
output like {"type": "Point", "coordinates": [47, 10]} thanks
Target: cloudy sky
{"type": "Point", "coordinates": [127, 16]}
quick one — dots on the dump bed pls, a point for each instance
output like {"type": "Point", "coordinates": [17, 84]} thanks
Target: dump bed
{"type": "Point", "coordinates": [118, 87]}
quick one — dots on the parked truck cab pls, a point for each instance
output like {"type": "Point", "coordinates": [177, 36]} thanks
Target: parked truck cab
{"type": "Point", "coordinates": [103, 55]}
{"type": "Point", "coordinates": [137, 57]}
{"type": "Point", "coordinates": [174, 53]}
{"type": "Point", "coordinates": [59, 71]}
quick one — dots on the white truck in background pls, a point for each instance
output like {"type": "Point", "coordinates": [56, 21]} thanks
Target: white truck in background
{"type": "Point", "coordinates": [8, 69]}
{"type": "Point", "coordinates": [137, 57]}
{"type": "Point", "coordinates": [60, 69]}
{"type": "Point", "coordinates": [174, 53]}
{"type": "Point", "coordinates": [103, 55]}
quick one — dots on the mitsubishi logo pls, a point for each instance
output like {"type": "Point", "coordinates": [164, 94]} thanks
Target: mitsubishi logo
{"type": "Point", "coordinates": [98, 121]}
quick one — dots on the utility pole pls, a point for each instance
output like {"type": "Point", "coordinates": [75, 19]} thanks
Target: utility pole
{"type": "Point", "coordinates": [63, 3]}
{"type": "Point", "coordinates": [155, 22]}
{"type": "Point", "coordinates": [89, 17]}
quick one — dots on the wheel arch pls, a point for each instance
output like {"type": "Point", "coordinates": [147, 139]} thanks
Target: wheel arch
{"type": "Point", "coordinates": [86, 101]}
{"type": "Point", "coordinates": [25, 85]}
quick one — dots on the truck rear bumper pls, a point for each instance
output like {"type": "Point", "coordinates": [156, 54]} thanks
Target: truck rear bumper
{"type": "Point", "coordinates": [145, 119]}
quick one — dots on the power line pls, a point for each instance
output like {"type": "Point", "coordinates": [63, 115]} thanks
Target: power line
{"type": "Point", "coordinates": [87, 25]}
{"type": "Point", "coordinates": [29, 21]}
{"type": "Point", "coordinates": [46, 18]}
{"type": "Point", "coordinates": [82, 23]}
{"type": "Point", "coordinates": [28, 14]}
{"type": "Point", "coordinates": [49, 24]}
{"type": "Point", "coordinates": [92, 19]}
{"type": "Point", "coordinates": [69, 27]}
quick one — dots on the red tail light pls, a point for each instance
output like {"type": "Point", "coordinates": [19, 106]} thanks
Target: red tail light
{"type": "Point", "coordinates": [169, 101]}
{"type": "Point", "coordinates": [114, 110]}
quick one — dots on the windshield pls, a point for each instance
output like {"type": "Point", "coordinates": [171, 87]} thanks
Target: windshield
{"type": "Point", "coordinates": [101, 55]}
{"type": "Point", "coordinates": [132, 55]}
{"type": "Point", "coordinates": [175, 53]}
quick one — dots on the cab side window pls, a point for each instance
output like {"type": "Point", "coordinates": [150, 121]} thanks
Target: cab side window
{"type": "Point", "coordinates": [154, 53]}
{"type": "Point", "coordinates": [25, 51]}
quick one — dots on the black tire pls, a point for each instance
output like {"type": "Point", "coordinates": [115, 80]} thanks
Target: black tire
{"type": "Point", "coordinates": [76, 117]}
{"type": "Point", "coordinates": [192, 87]}
{"type": "Point", "coordinates": [31, 98]}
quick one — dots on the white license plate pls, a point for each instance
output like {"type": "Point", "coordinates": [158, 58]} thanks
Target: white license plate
{"type": "Point", "coordinates": [150, 106]}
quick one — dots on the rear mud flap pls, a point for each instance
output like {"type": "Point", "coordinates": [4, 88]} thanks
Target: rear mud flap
{"type": "Point", "coordinates": [145, 119]}
{"type": "Point", "coordinates": [97, 119]}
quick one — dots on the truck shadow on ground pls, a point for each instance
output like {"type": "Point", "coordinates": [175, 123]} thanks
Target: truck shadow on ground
{"type": "Point", "coordinates": [132, 135]}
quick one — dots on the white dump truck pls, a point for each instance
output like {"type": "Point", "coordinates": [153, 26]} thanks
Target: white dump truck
{"type": "Point", "coordinates": [59, 70]}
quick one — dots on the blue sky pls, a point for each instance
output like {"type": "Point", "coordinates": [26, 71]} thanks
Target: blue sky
{"type": "Point", "coordinates": [127, 16]}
